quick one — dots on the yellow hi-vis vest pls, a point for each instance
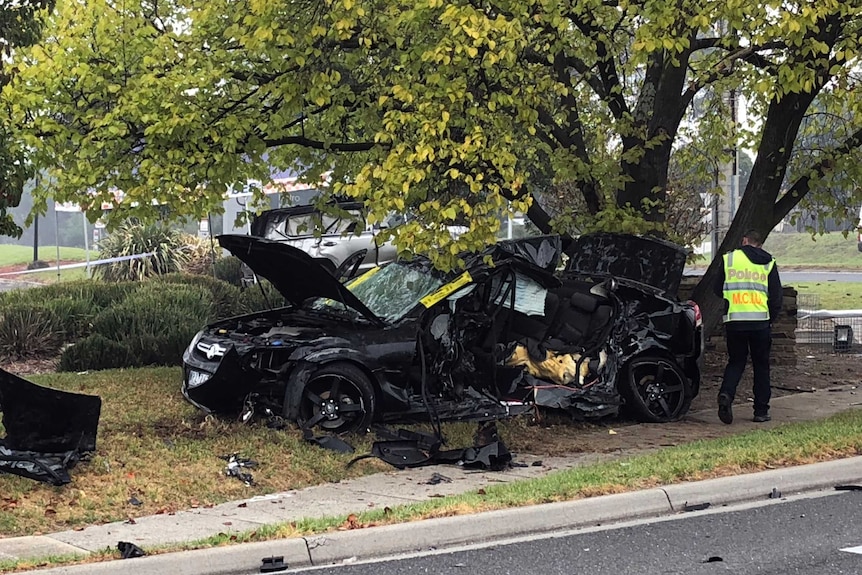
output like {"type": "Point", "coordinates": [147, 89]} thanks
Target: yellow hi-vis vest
{"type": "Point", "coordinates": [746, 288]}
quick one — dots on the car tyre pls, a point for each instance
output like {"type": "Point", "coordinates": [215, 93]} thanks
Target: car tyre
{"type": "Point", "coordinates": [656, 390]}
{"type": "Point", "coordinates": [338, 398]}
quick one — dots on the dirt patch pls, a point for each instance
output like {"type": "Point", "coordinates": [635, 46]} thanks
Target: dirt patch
{"type": "Point", "coordinates": [817, 367]}
{"type": "Point", "coordinates": [25, 367]}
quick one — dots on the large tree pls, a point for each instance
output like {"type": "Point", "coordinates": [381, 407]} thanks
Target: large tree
{"type": "Point", "coordinates": [19, 26]}
{"type": "Point", "coordinates": [451, 110]}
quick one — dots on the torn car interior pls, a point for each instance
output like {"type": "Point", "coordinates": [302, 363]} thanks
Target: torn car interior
{"type": "Point", "coordinates": [504, 335]}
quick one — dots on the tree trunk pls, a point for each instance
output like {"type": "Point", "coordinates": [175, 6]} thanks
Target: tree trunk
{"type": "Point", "coordinates": [757, 207]}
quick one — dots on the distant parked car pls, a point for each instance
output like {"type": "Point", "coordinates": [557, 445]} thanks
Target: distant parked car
{"type": "Point", "coordinates": [500, 337]}
{"type": "Point", "coordinates": [345, 240]}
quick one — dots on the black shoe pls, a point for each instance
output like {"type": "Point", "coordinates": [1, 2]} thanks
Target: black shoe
{"type": "Point", "coordinates": [725, 411]}
{"type": "Point", "coordinates": [761, 418]}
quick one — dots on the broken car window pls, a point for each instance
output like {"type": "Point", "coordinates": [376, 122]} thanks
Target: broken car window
{"type": "Point", "coordinates": [529, 294]}
{"type": "Point", "coordinates": [390, 292]}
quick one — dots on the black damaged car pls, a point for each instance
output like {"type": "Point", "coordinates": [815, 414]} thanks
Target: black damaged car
{"type": "Point", "coordinates": [504, 336]}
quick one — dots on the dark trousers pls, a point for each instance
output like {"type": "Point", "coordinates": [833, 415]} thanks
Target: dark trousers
{"type": "Point", "coordinates": [739, 344]}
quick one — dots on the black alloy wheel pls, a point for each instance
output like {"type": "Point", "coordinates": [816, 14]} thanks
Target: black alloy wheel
{"type": "Point", "coordinates": [656, 389]}
{"type": "Point", "coordinates": [338, 398]}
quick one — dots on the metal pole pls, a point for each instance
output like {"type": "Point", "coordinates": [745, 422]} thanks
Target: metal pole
{"type": "Point", "coordinates": [86, 243]}
{"type": "Point", "coordinates": [57, 238]}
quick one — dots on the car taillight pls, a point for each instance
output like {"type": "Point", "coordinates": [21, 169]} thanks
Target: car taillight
{"type": "Point", "coordinates": [698, 317]}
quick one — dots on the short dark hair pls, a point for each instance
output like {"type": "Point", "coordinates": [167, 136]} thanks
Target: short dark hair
{"type": "Point", "coordinates": [754, 237]}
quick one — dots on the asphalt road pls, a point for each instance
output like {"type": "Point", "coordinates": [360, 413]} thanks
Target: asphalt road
{"type": "Point", "coordinates": [795, 277]}
{"type": "Point", "coordinates": [818, 535]}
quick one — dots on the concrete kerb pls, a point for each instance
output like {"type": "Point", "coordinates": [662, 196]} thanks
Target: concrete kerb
{"type": "Point", "coordinates": [787, 480]}
{"type": "Point", "coordinates": [555, 517]}
{"type": "Point", "coordinates": [430, 534]}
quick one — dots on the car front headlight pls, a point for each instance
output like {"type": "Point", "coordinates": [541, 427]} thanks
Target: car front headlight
{"type": "Point", "coordinates": [190, 349]}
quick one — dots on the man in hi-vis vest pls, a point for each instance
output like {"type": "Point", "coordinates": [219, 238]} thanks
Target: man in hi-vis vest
{"type": "Point", "coordinates": [751, 288]}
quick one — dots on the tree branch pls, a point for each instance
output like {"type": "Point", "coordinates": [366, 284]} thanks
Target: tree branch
{"type": "Point", "coordinates": [319, 145]}
{"type": "Point", "coordinates": [607, 70]}
{"type": "Point", "coordinates": [802, 186]}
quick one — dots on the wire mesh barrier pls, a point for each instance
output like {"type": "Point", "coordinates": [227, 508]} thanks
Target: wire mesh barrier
{"type": "Point", "coordinates": [841, 330]}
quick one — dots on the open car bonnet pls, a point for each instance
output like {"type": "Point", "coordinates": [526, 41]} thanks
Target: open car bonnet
{"type": "Point", "coordinates": [294, 273]}
{"type": "Point", "coordinates": [651, 261]}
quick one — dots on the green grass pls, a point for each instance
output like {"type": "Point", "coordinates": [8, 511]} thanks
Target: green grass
{"type": "Point", "coordinates": [13, 254]}
{"type": "Point", "coordinates": [833, 295]}
{"type": "Point", "coordinates": [827, 251]}
{"type": "Point", "coordinates": [784, 445]}
{"type": "Point", "coordinates": [156, 446]}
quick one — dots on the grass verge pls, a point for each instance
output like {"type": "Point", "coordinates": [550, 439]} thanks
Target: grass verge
{"type": "Point", "coordinates": [831, 250]}
{"type": "Point", "coordinates": [833, 295]}
{"type": "Point", "coordinates": [14, 255]}
{"type": "Point", "coordinates": [157, 454]}
{"type": "Point", "coordinates": [785, 445]}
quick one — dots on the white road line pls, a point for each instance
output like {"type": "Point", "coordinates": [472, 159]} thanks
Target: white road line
{"type": "Point", "coordinates": [857, 550]}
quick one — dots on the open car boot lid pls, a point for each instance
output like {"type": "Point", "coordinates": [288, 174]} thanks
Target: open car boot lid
{"type": "Point", "coordinates": [294, 273]}
{"type": "Point", "coordinates": [647, 260]}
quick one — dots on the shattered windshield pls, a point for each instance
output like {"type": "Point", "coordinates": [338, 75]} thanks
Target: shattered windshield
{"type": "Point", "coordinates": [389, 291]}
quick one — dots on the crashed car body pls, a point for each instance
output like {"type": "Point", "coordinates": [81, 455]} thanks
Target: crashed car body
{"type": "Point", "coordinates": [406, 342]}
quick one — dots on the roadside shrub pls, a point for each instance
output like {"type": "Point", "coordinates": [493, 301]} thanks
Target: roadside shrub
{"type": "Point", "coordinates": [225, 297]}
{"type": "Point", "coordinates": [29, 330]}
{"type": "Point", "coordinates": [229, 269]}
{"type": "Point", "coordinates": [74, 316]}
{"type": "Point", "coordinates": [199, 255]}
{"type": "Point", "coordinates": [98, 293]}
{"type": "Point", "coordinates": [168, 246]}
{"type": "Point", "coordinates": [95, 352]}
{"type": "Point", "coordinates": [157, 322]}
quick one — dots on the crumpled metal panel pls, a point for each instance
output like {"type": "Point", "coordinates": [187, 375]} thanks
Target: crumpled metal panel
{"type": "Point", "coordinates": [541, 251]}
{"type": "Point", "coordinates": [652, 261]}
{"type": "Point", "coordinates": [47, 430]}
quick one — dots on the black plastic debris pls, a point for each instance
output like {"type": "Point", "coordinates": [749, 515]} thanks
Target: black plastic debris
{"type": "Point", "coordinates": [48, 431]}
{"type": "Point", "coordinates": [713, 559]}
{"type": "Point", "coordinates": [696, 506]}
{"type": "Point", "coordinates": [494, 457]}
{"type": "Point", "coordinates": [848, 488]}
{"type": "Point", "coordinates": [403, 448]}
{"type": "Point", "coordinates": [273, 564]}
{"type": "Point", "coordinates": [235, 466]}
{"type": "Point", "coordinates": [416, 449]}
{"type": "Point", "coordinates": [399, 453]}
{"type": "Point", "coordinates": [133, 500]}
{"type": "Point", "coordinates": [327, 442]}
{"type": "Point", "coordinates": [129, 550]}
{"type": "Point", "coordinates": [775, 494]}
{"type": "Point", "coordinates": [437, 478]}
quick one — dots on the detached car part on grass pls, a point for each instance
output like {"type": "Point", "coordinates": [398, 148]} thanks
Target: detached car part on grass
{"type": "Point", "coordinates": [47, 431]}
{"type": "Point", "coordinates": [404, 342]}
